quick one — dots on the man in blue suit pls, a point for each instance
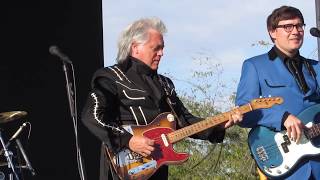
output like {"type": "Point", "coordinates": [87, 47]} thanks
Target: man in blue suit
{"type": "Point", "coordinates": [282, 72]}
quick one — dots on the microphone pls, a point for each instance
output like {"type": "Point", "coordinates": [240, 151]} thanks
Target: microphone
{"type": "Point", "coordinates": [16, 134]}
{"type": "Point", "coordinates": [54, 50]}
{"type": "Point", "coordinates": [315, 32]}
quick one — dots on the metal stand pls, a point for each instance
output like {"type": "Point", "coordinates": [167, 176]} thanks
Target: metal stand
{"type": "Point", "coordinates": [54, 50]}
{"type": "Point", "coordinates": [73, 112]}
{"type": "Point", "coordinates": [8, 154]}
{"type": "Point", "coordinates": [25, 157]}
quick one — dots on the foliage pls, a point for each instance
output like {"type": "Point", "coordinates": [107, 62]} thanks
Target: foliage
{"type": "Point", "coordinates": [262, 43]}
{"type": "Point", "coordinates": [228, 160]}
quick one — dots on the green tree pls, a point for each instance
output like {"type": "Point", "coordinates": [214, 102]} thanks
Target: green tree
{"type": "Point", "coordinates": [228, 160]}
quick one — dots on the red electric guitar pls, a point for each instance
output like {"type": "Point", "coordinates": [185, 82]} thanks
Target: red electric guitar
{"type": "Point", "coordinates": [130, 165]}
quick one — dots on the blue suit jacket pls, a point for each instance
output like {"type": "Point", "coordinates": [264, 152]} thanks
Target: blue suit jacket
{"type": "Point", "coordinates": [262, 76]}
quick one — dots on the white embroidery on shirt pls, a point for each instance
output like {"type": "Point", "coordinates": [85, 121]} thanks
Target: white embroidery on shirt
{"type": "Point", "coordinates": [129, 87]}
{"type": "Point", "coordinates": [132, 98]}
{"type": "Point", "coordinates": [116, 73]}
{"type": "Point", "coordinates": [134, 115]}
{"type": "Point", "coordinates": [95, 115]}
{"type": "Point", "coordinates": [144, 118]}
{"type": "Point", "coordinates": [122, 74]}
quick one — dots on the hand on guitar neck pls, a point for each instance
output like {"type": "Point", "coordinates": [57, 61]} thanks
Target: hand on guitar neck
{"type": "Point", "coordinates": [234, 118]}
{"type": "Point", "coordinates": [141, 145]}
{"type": "Point", "coordinates": [294, 127]}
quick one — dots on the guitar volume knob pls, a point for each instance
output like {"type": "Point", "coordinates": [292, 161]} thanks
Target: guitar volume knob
{"type": "Point", "coordinates": [278, 171]}
{"type": "Point", "coordinates": [267, 169]}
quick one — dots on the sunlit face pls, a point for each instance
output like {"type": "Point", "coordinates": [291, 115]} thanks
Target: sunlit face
{"type": "Point", "coordinates": [150, 52]}
{"type": "Point", "coordinates": [288, 42]}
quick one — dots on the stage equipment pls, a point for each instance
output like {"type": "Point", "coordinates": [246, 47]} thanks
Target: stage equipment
{"type": "Point", "coordinates": [72, 98]}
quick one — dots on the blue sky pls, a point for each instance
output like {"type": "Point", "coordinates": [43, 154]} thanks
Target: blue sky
{"type": "Point", "coordinates": [222, 30]}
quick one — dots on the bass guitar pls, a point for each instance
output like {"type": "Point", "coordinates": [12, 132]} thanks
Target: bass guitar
{"type": "Point", "coordinates": [276, 155]}
{"type": "Point", "coordinates": [130, 165]}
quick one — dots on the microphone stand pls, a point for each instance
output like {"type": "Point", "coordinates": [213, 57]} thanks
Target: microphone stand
{"type": "Point", "coordinates": [25, 157]}
{"type": "Point", "coordinates": [73, 112]}
{"type": "Point", "coordinates": [7, 154]}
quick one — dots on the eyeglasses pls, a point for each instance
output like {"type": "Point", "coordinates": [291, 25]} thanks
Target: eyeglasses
{"type": "Point", "coordinates": [289, 27]}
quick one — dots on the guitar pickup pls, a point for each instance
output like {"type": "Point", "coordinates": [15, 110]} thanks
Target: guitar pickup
{"type": "Point", "coordinates": [285, 147]}
{"type": "Point", "coordinates": [286, 139]}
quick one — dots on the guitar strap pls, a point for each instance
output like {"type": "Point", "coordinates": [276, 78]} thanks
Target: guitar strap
{"type": "Point", "coordinates": [168, 91]}
{"type": "Point", "coordinates": [312, 73]}
{"type": "Point", "coordinates": [316, 96]}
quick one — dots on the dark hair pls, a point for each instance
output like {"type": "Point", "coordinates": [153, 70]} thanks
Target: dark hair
{"type": "Point", "coordinates": [282, 13]}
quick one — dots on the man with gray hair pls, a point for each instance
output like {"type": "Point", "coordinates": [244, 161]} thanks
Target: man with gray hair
{"type": "Point", "coordinates": [131, 92]}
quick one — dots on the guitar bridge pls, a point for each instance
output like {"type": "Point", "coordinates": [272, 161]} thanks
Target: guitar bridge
{"type": "Point", "coordinates": [149, 165]}
{"type": "Point", "coordinates": [125, 157]}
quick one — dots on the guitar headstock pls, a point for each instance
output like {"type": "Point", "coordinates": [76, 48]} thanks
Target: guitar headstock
{"type": "Point", "coordinates": [265, 102]}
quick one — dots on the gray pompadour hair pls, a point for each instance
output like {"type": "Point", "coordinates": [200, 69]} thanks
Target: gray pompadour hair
{"type": "Point", "coordinates": [137, 32]}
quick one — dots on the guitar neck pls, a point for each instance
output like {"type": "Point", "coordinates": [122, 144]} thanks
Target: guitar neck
{"type": "Point", "coordinates": [313, 132]}
{"type": "Point", "coordinates": [204, 124]}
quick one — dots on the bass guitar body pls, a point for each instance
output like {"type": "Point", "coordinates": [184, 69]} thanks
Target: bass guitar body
{"type": "Point", "coordinates": [276, 155]}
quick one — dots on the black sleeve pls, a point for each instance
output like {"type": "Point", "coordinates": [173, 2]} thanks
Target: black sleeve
{"type": "Point", "coordinates": [100, 114]}
{"type": "Point", "coordinates": [284, 118]}
{"type": "Point", "coordinates": [185, 118]}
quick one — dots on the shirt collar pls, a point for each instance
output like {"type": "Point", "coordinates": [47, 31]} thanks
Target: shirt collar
{"type": "Point", "coordinates": [141, 68]}
{"type": "Point", "coordinates": [275, 52]}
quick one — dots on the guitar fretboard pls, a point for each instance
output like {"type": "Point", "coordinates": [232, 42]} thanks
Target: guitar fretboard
{"type": "Point", "coordinates": [313, 132]}
{"type": "Point", "coordinates": [204, 124]}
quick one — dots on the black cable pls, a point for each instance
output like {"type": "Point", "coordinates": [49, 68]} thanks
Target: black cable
{"type": "Point", "coordinates": [205, 157]}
